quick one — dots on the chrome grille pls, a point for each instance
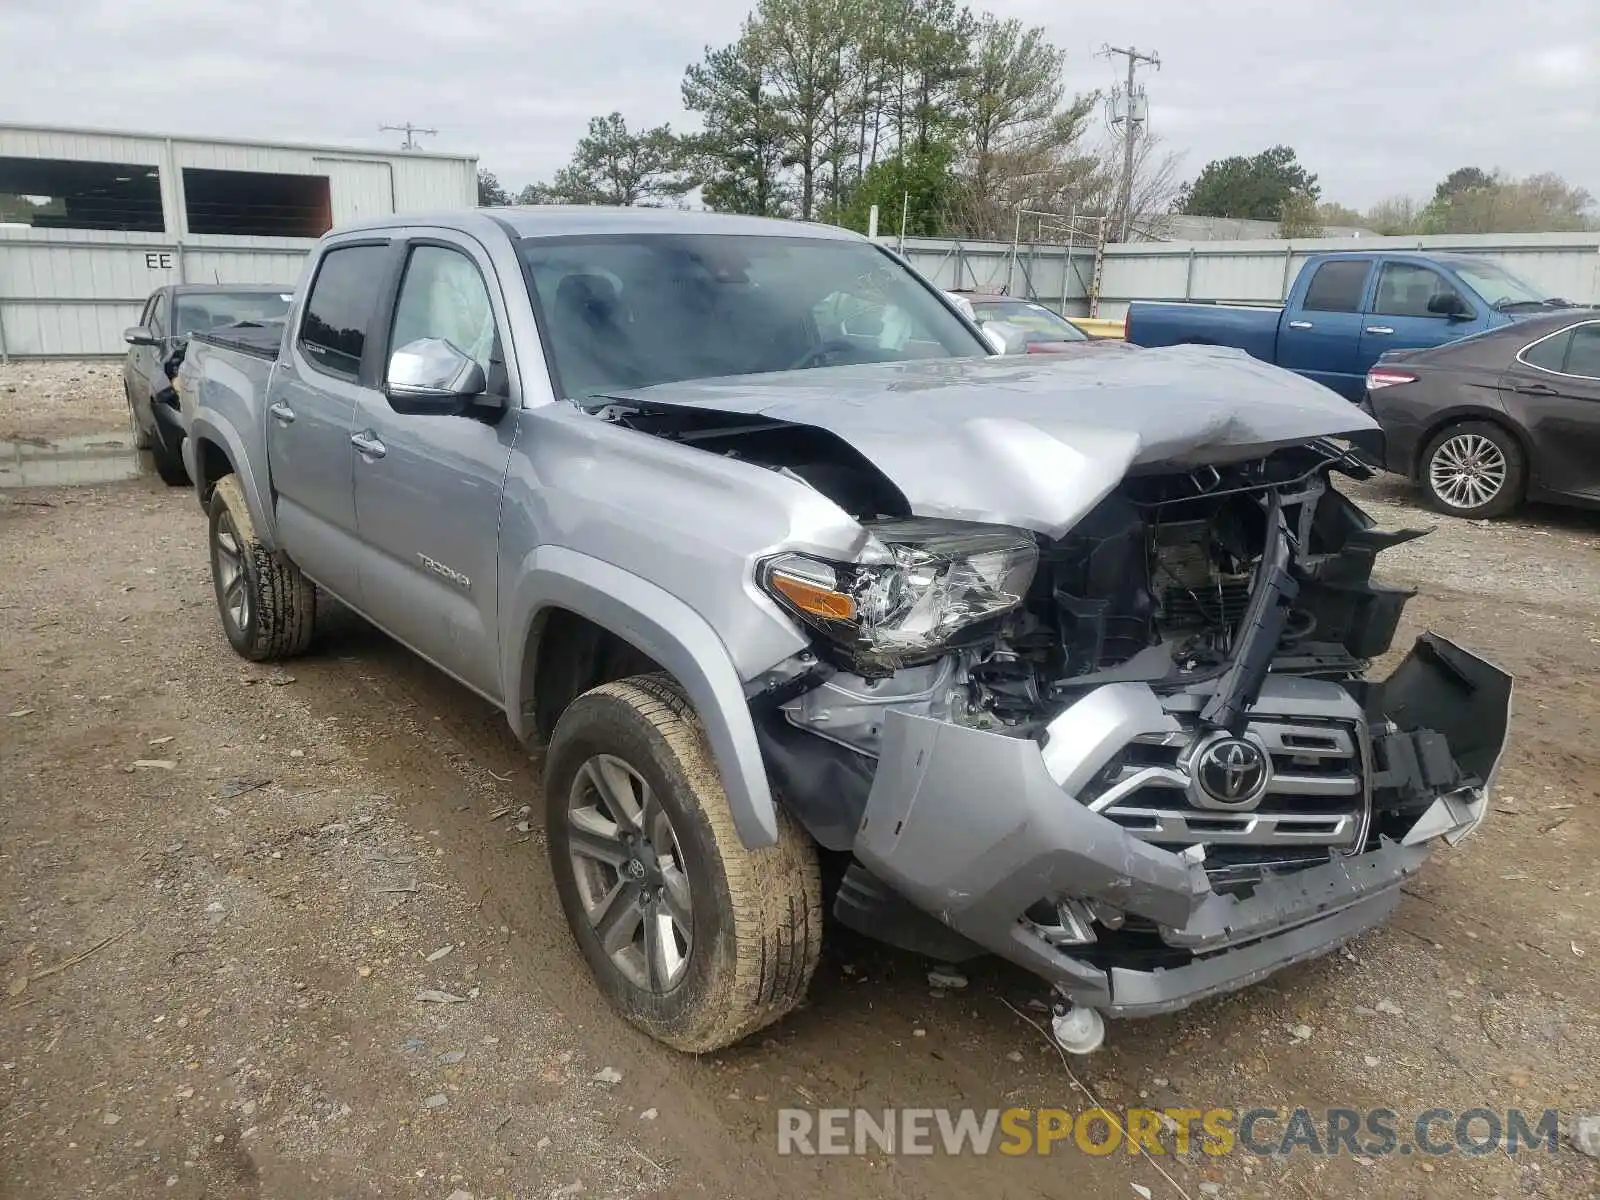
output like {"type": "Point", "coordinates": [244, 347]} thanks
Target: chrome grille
{"type": "Point", "coordinates": [1317, 796]}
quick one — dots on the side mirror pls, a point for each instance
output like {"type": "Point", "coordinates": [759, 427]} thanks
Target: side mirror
{"type": "Point", "coordinates": [432, 377]}
{"type": "Point", "coordinates": [1004, 337]}
{"type": "Point", "coordinates": [138, 335]}
{"type": "Point", "coordinates": [1448, 304]}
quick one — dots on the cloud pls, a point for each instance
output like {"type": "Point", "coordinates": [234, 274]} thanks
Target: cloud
{"type": "Point", "coordinates": [1377, 97]}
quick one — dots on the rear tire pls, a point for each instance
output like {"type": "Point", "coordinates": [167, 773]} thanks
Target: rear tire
{"type": "Point", "coordinates": [268, 608]}
{"type": "Point", "coordinates": [1474, 469]}
{"type": "Point", "coordinates": [742, 928]}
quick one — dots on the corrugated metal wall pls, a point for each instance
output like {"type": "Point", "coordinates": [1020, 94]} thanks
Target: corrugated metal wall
{"type": "Point", "coordinates": [75, 291]}
{"type": "Point", "coordinates": [71, 292]}
{"type": "Point", "coordinates": [1565, 264]}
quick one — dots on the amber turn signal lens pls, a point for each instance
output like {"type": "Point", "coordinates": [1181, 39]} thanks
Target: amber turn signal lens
{"type": "Point", "coordinates": [809, 597]}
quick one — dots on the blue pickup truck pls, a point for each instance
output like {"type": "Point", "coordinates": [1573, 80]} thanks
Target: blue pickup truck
{"type": "Point", "coordinates": [1346, 309]}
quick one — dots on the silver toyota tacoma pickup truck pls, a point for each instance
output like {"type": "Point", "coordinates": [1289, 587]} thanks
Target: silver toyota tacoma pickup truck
{"type": "Point", "coordinates": [818, 602]}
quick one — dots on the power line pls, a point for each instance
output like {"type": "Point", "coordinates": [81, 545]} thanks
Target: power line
{"type": "Point", "coordinates": [410, 131]}
{"type": "Point", "coordinates": [1130, 120]}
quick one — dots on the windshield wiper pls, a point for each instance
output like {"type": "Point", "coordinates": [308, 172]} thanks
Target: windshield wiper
{"type": "Point", "coordinates": [1552, 302]}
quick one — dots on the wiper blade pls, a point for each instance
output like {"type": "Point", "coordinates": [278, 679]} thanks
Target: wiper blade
{"type": "Point", "coordinates": [1548, 302]}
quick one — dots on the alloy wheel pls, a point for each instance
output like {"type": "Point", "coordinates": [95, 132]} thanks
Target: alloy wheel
{"type": "Point", "coordinates": [1467, 471]}
{"type": "Point", "coordinates": [233, 586]}
{"type": "Point", "coordinates": [630, 873]}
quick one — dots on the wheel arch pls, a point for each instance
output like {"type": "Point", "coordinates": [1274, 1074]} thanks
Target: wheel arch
{"type": "Point", "coordinates": [218, 451]}
{"type": "Point", "coordinates": [573, 617]}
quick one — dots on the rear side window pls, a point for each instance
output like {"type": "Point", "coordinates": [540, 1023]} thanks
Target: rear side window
{"type": "Point", "coordinates": [1584, 356]}
{"type": "Point", "coordinates": [339, 308]}
{"type": "Point", "coordinates": [1550, 353]}
{"type": "Point", "coordinates": [1337, 287]}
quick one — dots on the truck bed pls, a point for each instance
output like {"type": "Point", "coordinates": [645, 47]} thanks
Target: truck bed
{"type": "Point", "coordinates": [1172, 323]}
{"type": "Point", "coordinates": [259, 340]}
{"type": "Point", "coordinates": [233, 367]}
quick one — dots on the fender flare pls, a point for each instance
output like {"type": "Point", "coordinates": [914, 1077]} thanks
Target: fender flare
{"type": "Point", "coordinates": [662, 626]}
{"type": "Point", "coordinates": [209, 427]}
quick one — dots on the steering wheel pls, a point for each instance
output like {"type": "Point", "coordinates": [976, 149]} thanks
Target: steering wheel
{"type": "Point", "coordinates": [817, 355]}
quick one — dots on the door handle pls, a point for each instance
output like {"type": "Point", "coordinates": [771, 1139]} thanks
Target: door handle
{"type": "Point", "coordinates": [1299, 324]}
{"type": "Point", "coordinates": [368, 444]}
{"type": "Point", "coordinates": [282, 412]}
{"type": "Point", "coordinates": [1537, 389]}
{"type": "Point", "coordinates": [1380, 329]}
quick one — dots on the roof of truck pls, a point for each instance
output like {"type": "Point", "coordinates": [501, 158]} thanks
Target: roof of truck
{"type": "Point", "coordinates": [555, 220]}
{"type": "Point", "coordinates": [1425, 256]}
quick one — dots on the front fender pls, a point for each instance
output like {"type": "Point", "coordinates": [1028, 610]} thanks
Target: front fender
{"type": "Point", "coordinates": [209, 426]}
{"type": "Point", "coordinates": [662, 626]}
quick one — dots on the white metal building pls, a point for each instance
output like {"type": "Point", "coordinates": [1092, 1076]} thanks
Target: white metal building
{"type": "Point", "coordinates": [92, 221]}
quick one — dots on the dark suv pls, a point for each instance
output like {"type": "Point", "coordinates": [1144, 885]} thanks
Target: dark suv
{"type": "Point", "coordinates": [170, 315]}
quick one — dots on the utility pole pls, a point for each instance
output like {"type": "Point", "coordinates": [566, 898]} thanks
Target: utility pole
{"type": "Point", "coordinates": [410, 131]}
{"type": "Point", "coordinates": [1129, 121]}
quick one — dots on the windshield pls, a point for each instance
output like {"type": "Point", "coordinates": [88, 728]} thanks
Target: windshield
{"type": "Point", "coordinates": [1035, 320]}
{"type": "Point", "coordinates": [200, 311]}
{"type": "Point", "coordinates": [1497, 285]}
{"type": "Point", "coordinates": [631, 310]}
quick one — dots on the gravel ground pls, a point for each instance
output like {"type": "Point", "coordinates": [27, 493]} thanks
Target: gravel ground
{"type": "Point", "coordinates": [48, 400]}
{"type": "Point", "coordinates": [224, 887]}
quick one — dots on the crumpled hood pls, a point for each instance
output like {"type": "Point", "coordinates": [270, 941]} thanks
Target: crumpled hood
{"type": "Point", "coordinates": [1036, 441]}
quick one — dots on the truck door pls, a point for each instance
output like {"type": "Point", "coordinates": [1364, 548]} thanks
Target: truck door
{"type": "Point", "coordinates": [1412, 308]}
{"type": "Point", "coordinates": [311, 408]}
{"type": "Point", "coordinates": [1320, 336]}
{"type": "Point", "coordinates": [428, 488]}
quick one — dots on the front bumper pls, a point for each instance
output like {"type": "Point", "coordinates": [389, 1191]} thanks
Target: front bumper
{"type": "Point", "coordinates": [976, 827]}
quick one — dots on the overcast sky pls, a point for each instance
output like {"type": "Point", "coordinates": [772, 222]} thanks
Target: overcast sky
{"type": "Point", "coordinates": [1377, 96]}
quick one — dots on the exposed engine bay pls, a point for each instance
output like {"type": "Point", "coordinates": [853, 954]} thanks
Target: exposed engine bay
{"type": "Point", "coordinates": [1154, 583]}
{"type": "Point", "coordinates": [1188, 662]}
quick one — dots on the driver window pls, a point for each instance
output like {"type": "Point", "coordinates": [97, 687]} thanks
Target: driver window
{"type": "Point", "coordinates": [1407, 290]}
{"type": "Point", "coordinates": [443, 296]}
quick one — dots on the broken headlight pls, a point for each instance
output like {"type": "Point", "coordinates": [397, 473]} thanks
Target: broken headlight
{"type": "Point", "coordinates": [933, 579]}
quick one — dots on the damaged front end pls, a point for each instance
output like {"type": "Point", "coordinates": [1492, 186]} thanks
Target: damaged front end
{"type": "Point", "coordinates": [1142, 759]}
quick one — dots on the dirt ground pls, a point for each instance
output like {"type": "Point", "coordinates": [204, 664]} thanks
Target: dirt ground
{"type": "Point", "coordinates": [46, 400]}
{"type": "Point", "coordinates": [288, 932]}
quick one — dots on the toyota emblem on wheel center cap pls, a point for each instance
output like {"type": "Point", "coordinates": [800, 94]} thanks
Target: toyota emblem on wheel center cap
{"type": "Point", "coordinates": [1230, 772]}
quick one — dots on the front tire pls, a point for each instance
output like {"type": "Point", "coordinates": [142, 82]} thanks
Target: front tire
{"type": "Point", "coordinates": [691, 936]}
{"type": "Point", "coordinates": [168, 463]}
{"type": "Point", "coordinates": [1474, 469]}
{"type": "Point", "coordinates": [268, 608]}
{"type": "Point", "coordinates": [141, 435]}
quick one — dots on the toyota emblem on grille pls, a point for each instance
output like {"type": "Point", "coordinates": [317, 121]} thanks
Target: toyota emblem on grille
{"type": "Point", "coordinates": [1230, 772]}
